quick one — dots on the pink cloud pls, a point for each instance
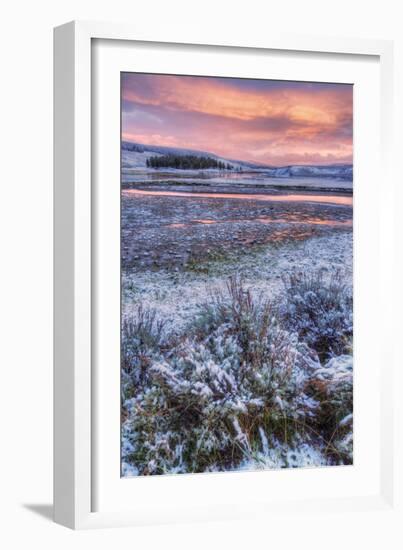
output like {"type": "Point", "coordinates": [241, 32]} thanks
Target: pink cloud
{"type": "Point", "coordinates": [266, 121]}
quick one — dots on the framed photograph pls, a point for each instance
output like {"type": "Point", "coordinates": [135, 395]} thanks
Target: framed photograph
{"type": "Point", "coordinates": [223, 252]}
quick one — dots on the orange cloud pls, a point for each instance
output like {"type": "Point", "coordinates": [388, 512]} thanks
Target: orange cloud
{"type": "Point", "coordinates": [206, 96]}
{"type": "Point", "coordinates": [262, 120]}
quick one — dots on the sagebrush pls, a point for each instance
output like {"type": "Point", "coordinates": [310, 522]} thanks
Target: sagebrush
{"type": "Point", "coordinates": [239, 387]}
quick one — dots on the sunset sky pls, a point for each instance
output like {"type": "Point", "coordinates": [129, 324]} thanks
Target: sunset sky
{"type": "Point", "coordinates": [263, 121]}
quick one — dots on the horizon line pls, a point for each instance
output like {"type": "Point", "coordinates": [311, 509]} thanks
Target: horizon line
{"type": "Point", "coordinates": [232, 159]}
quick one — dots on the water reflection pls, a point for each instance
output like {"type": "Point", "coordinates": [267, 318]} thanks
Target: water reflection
{"type": "Point", "coordinates": [296, 197]}
{"type": "Point", "coordinates": [308, 221]}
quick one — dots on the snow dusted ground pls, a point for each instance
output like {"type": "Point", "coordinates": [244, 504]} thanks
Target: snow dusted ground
{"type": "Point", "coordinates": [177, 252]}
{"type": "Point", "coordinates": [176, 295]}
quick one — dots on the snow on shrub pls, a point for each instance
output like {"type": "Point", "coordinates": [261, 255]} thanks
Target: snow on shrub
{"type": "Point", "coordinates": [319, 307]}
{"type": "Point", "coordinates": [213, 400]}
{"type": "Point", "coordinates": [304, 451]}
{"type": "Point", "coordinates": [240, 388]}
{"type": "Point", "coordinates": [332, 386]}
{"type": "Point", "coordinates": [143, 336]}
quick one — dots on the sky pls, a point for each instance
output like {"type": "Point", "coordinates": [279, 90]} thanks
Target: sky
{"type": "Point", "coordinates": [263, 121]}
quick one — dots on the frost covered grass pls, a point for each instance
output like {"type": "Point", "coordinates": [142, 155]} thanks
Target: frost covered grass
{"type": "Point", "coordinates": [142, 338]}
{"type": "Point", "coordinates": [177, 295]}
{"type": "Point", "coordinates": [319, 307]}
{"type": "Point", "coordinates": [241, 386]}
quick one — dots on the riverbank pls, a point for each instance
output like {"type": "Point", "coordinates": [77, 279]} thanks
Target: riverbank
{"type": "Point", "coordinates": [236, 330]}
{"type": "Point", "coordinates": [167, 230]}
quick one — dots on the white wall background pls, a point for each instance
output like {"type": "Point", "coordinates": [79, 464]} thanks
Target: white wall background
{"type": "Point", "coordinates": [26, 268]}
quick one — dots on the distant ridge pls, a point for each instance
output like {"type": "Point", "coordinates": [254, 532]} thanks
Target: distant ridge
{"type": "Point", "coordinates": [343, 171]}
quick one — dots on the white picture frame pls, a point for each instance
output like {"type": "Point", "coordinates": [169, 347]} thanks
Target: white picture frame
{"type": "Point", "coordinates": [76, 425]}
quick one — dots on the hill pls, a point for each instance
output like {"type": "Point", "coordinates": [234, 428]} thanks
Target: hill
{"type": "Point", "coordinates": [135, 156]}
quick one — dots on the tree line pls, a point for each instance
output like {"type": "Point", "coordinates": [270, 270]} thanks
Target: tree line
{"type": "Point", "coordinates": [186, 162]}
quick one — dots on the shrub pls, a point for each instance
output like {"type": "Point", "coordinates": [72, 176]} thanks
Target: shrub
{"type": "Point", "coordinates": [213, 401]}
{"type": "Point", "coordinates": [143, 337]}
{"type": "Point", "coordinates": [332, 387]}
{"type": "Point", "coordinates": [239, 388]}
{"type": "Point", "coordinates": [319, 309]}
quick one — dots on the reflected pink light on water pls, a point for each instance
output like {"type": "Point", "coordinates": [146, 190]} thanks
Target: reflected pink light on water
{"type": "Point", "coordinates": [302, 221]}
{"type": "Point", "coordinates": [177, 225]}
{"type": "Point", "coordinates": [329, 199]}
{"type": "Point", "coordinates": [311, 221]}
